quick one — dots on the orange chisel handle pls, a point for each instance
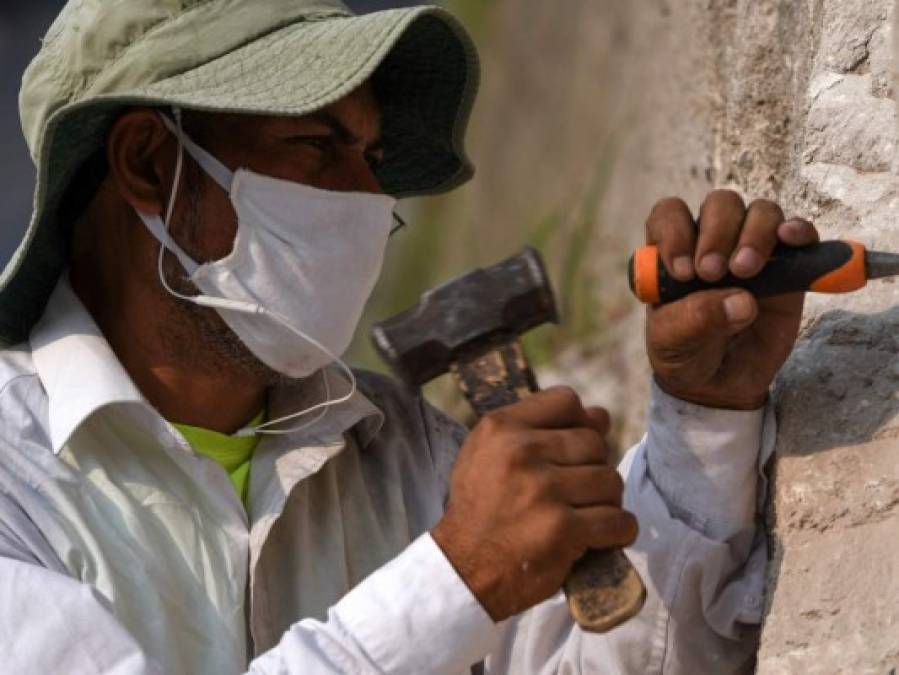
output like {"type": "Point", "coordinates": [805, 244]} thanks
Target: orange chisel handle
{"type": "Point", "coordinates": [826, 267]}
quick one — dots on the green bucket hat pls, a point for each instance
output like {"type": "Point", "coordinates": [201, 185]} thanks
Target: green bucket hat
{"type": "Point", "coordinates": [272, 57]}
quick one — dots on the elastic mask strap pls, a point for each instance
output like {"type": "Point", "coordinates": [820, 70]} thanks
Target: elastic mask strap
{"type": "Point", "coordinates": [160, 228]}
{"type": "Point", "coordinates": [220, 173]}
{"type": "Point", "coordinates": [157, 229]}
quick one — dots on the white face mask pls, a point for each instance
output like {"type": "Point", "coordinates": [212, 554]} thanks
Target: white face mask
{"type": "Point", "coordinates": [304, 264]}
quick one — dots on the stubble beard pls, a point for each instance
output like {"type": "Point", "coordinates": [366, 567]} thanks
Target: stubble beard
{"type": "Point", "coordinates": [198, 335]}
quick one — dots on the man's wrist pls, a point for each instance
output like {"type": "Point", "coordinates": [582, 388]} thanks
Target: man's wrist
{"type": "Point", "coordinates": [482, 580]}
{"type": "Point", "coordinates": [732, 400]}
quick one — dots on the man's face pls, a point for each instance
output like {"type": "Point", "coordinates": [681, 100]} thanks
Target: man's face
{"type": "Point", "coordinates": [336, 149]}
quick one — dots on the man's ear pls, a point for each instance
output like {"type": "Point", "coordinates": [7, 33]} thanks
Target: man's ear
{"type": "Point", "coordinates": [142, 154]}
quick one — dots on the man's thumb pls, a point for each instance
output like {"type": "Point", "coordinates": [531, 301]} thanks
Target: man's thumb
{"type": "Point", "coordinates": [740, 310]}
{"type": "Point", "coordinates": [718, 313]}
{"type": "Point", "coordinates": [701, 319]}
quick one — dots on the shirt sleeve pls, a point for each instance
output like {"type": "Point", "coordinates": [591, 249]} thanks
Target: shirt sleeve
{"type": "Point", "coordinates": [697, 487]}
{"type": "Point", "coordinates": [414, 615]}
{"type": "Point", "coordinates": [50, 623]}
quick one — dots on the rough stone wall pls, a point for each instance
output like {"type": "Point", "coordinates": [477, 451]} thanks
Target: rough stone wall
{"type": "Point", "coordinates": [795, 103]}
{"type": "Point", "coordinates": [784, 99]}
{"type": "Point", "coordinates": [833, 600]}
{"type": "Point", "coordinates": [797, 107]}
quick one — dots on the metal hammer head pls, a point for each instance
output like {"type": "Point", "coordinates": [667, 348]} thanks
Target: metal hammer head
{"type": "Point", "coordinates": [473, 313]}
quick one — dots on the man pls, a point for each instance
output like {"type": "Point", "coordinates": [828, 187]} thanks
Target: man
{"type": "Point", "coordinates": [188, 481]}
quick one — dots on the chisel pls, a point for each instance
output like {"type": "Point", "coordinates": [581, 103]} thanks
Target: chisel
{"type": "Point", "coordinates": [826, 267]}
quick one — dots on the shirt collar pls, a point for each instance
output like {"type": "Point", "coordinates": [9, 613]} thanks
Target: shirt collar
{"type": "Point", "coordinates": [76, 365]}
{"type": "Point", "coordinates": [81, 374]}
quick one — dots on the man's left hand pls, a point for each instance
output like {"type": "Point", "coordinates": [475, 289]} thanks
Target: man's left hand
{"type": "Point", "coordinates": [722, 348]}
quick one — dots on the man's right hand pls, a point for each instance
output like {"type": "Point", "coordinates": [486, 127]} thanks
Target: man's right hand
{"type": "Point", "coordinates": [530, 493]}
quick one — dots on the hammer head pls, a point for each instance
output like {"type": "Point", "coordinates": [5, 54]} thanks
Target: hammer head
{"type": "Point", "coordinates": [474, 313]}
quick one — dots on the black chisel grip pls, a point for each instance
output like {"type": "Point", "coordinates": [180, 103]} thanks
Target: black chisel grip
{"type": "Point", "coordinates": [826, 267]}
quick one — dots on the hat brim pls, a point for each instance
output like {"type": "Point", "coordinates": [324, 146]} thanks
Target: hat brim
{"type": "Point", "coordinates": [420, 60]}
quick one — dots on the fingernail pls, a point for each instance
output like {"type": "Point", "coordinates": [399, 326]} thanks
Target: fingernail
{"type": "Point", "coordinates": [797, 226]}
{"type": "Point", "coordinates": [748, 261]}
{"type": "Point", "coordinates": [683, 268]}
{"type": "Point", "coordinates": [738, 308]}
{"type": "Point", "coordinates": [712, 266]}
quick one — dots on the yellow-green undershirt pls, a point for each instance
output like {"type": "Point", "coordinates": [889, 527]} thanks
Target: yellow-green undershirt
{"type": "Point", "coordinates": [232, 453]}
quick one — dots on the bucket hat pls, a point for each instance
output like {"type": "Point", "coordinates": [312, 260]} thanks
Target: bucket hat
{"type": "Point", "coordinates": [270, 57]}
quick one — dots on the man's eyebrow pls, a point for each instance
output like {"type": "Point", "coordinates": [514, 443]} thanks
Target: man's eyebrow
{"type": "Point", "coordinates": [341, 130]}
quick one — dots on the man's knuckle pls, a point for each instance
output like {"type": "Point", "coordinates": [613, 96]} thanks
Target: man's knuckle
{"type": "Point", "coordinates": [613, 480]}
{"type": "Point", "coordinates": [586, 439]}
{"type": "Point", "coordinates": [769, 209]}
{"type": "Point", "coordinates": [668, 204]}
{"type": "Point", "coordinates": [629, 527]}
{"type": "Point", "coordinates": [601, 415]}
{"type": "Point", "coordinates": [611, 525]}
{"type": "Point", "coordinates": [493, 422]}
{"type": "Point", "coordinates": [567, 396]}
{"type": "Point", "coordinates": [724, 197]}
{"type": "Point", "coordinates": [522, 451]}
{"type": "Point", "coordinates": [555, 524]}
{"type": "Point", "coordinates": [541, 486]}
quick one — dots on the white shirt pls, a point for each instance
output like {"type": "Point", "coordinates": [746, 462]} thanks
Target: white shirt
{"type": "Point", "coordinates": [122, 551]}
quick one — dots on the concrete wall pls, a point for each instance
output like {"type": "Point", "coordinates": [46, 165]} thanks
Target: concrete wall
{"type": "Point", "coordinates": [785, 99]}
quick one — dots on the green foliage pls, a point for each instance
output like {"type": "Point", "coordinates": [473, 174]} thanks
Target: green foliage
{"type": "Point", "coordinates": [565, 237]}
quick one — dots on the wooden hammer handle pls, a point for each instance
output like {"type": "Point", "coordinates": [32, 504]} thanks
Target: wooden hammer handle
{"type": "Point", "coordinates": [603, 588]}
{"type": "Point", "coordinates": [496, 378]}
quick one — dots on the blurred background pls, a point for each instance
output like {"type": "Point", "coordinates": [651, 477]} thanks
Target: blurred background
{"type": "Point", "coordinates": [554, 118]}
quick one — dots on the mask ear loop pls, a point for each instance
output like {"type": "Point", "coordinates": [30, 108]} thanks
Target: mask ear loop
{"type": "Point", "coordinates": [170, 209]}
{"type": "Point", "coordinates": [323, 407]}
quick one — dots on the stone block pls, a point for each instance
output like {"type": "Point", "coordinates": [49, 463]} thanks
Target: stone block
{"type": "Point", "coordinates": [847, 125]}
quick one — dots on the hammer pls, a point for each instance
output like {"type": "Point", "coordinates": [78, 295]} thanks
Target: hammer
{"type": "Point", "coordinates": [470, 327]}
